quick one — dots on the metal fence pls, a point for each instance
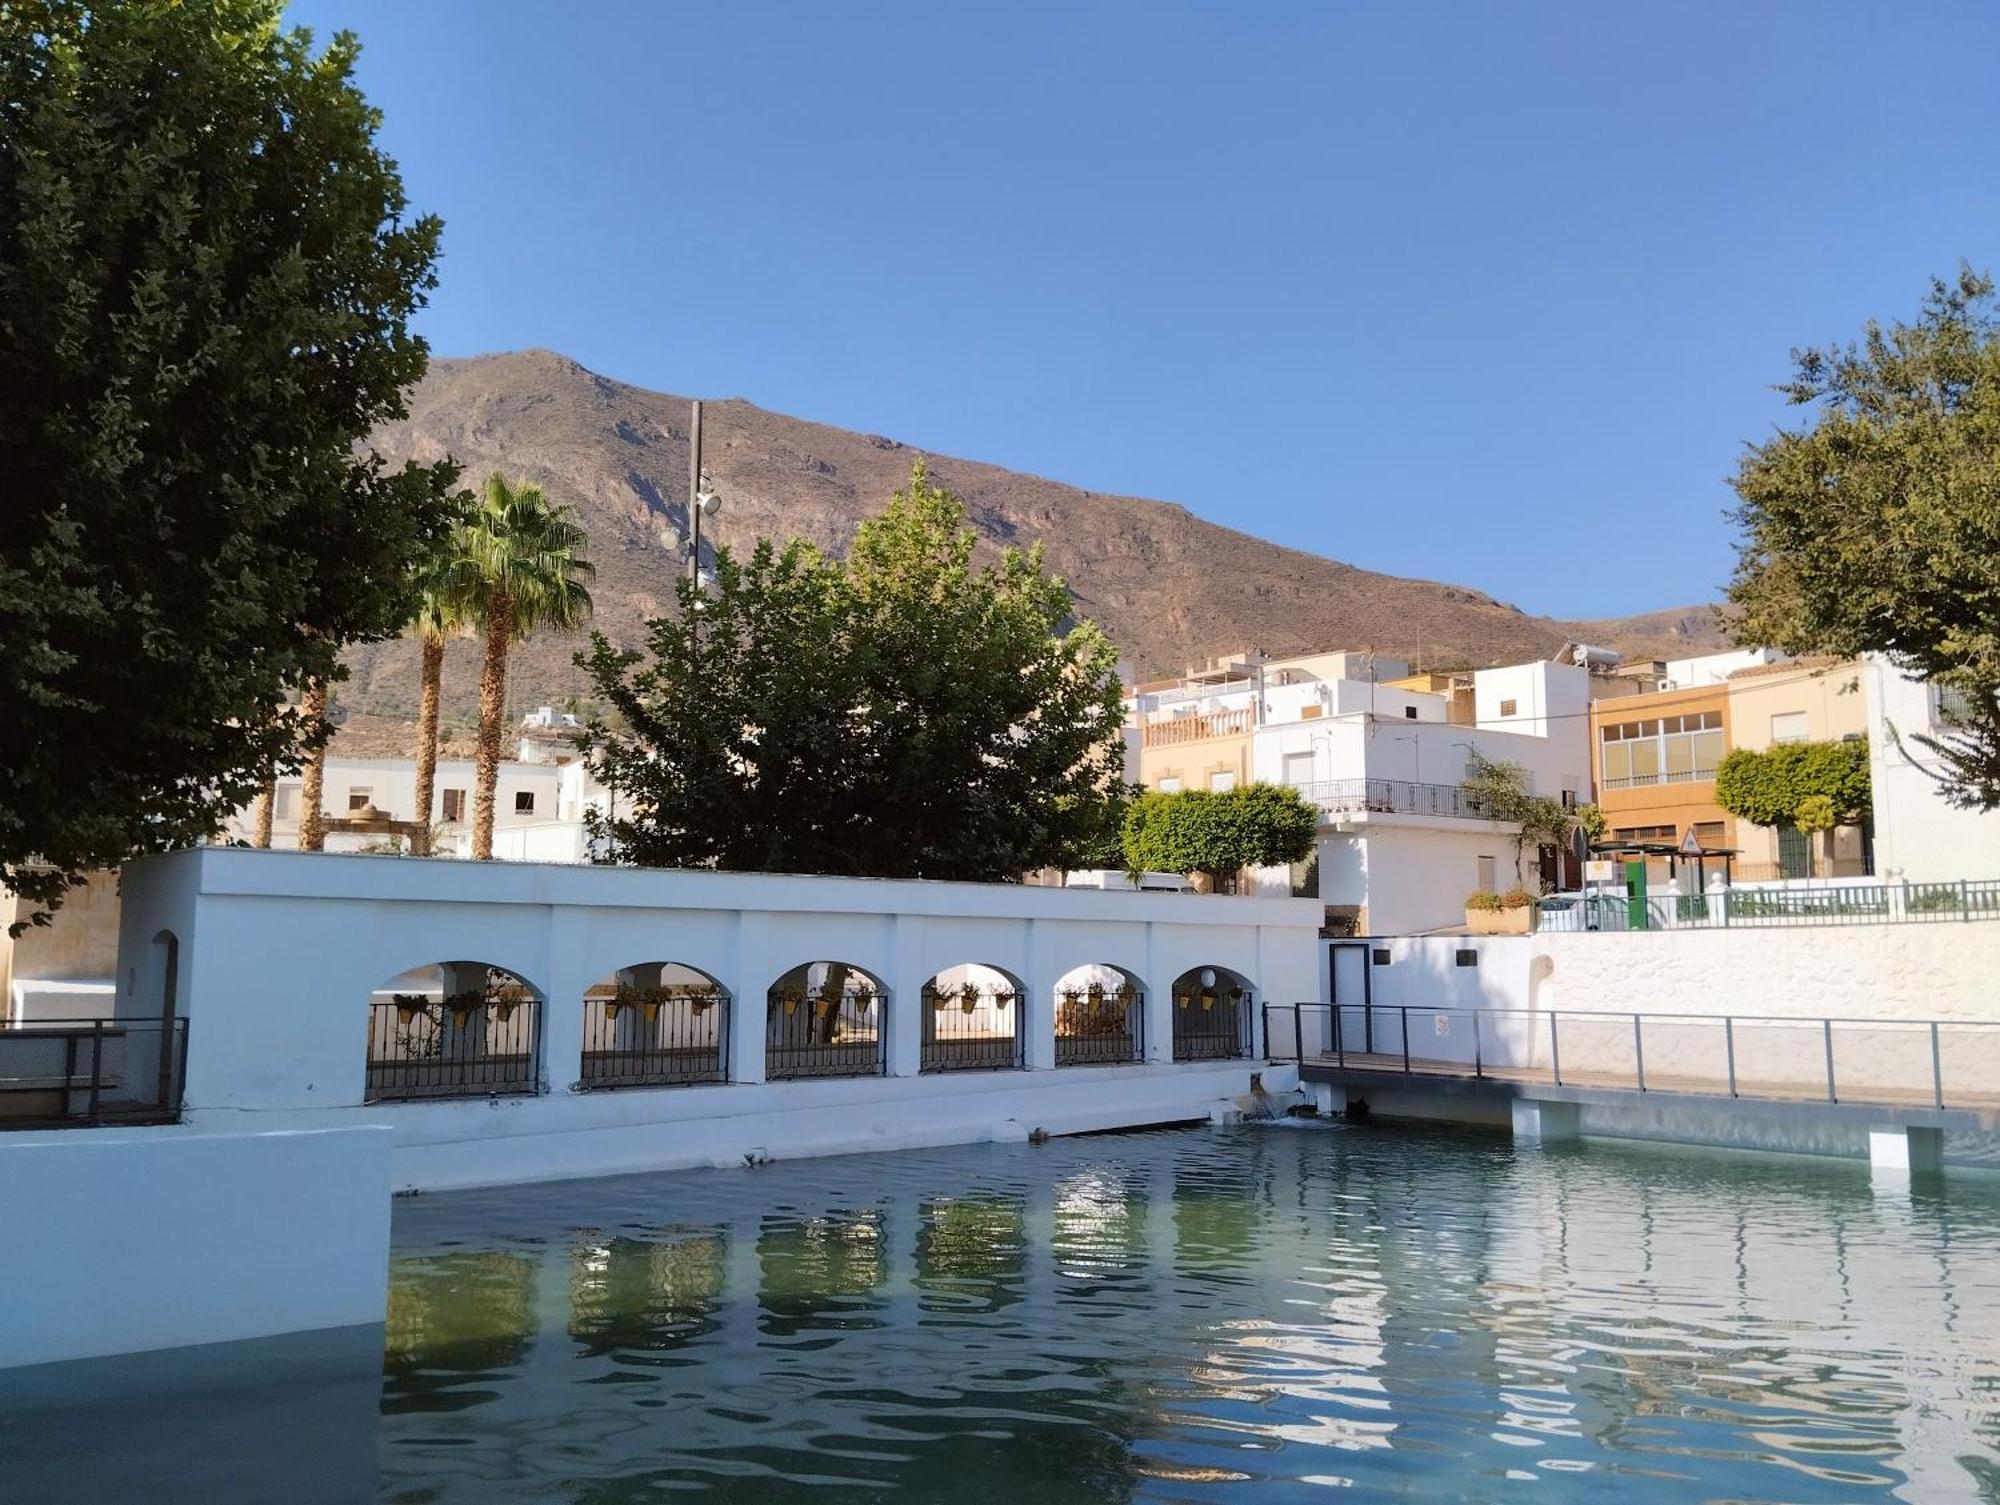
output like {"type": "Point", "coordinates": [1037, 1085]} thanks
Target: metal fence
{"type": "Point", "coordinates": [1099, 1027]}
{"type": "Point", "coordinates": [1212, 1025]}
{"type": "Point", "coordinates": [656, 1037]}
{"type": "Point", "coordinates": [1818, 904]}
{"type": "Point", "coordinates": [809, 1032]}
{"type": "Point", "coordinates": [971, 1028]}
{"type": "Point", "coordinates": [1925, 1063]}
{"type": "Point", "coordinates": [62, 1073]}
{"type": "Point", "coordinates": [1393, 797]}
{"type": "Point", "coordinates": [466, 1045]}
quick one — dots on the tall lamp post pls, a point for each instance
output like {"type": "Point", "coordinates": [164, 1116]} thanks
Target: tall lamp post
{"type": "Point", "coordinates": [703, 500]}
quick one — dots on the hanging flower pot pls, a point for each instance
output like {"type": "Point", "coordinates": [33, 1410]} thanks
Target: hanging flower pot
{"type": "Point", "coordinates": [702, 1002]}
{"type": "Point", "coordinates": [611, 1009]}
{"type": "Point", "coordinates": [1181, 1001]}
{"type": "Point", "coordinates": [651, 1010]}
{"type": "Point", "coordinates": [1208, 1003]}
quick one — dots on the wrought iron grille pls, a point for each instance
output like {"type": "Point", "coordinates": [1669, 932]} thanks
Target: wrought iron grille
{"type": "Point", "coordinates": [59, 1073]}
{"type": "Point", "coordinates": [1211, 1024]}
{"type": "Point", "coordinates": [813, 1032]}
{"type": "Point", "coordinates": [1100, 1027]}
{"type": "Point", "coordinates": [473, 1044]}
{"type": "Point", "coordinates": [656, 1037]}
{"type": "Point", "coordinates": [971, 1028]}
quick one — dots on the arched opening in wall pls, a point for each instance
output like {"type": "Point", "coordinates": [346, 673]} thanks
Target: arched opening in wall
{"type": "Point", "coordinates": [1100, 1016]}
{"type": "Point", "coordinates": [972, 1020]}
{"type": "Point", "coordinates": [656, 1024]}
{"type": "Point", "coordinates": [1211, 1014]}
{"type": "Point", "coordinates": [825, 1019]}
{"type": "Point", "coordinates": [453, 1029]}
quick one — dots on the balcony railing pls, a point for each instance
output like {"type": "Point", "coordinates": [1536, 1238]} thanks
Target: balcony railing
{"type": "Point", "coordinates": [1392, 797]}
{"type": "Point", "coordinates": [59, 1073]}
{"type": "Point", "coordinates": [1818, 904]}
{"type": "Point", "coordinates": [1670, 776]}
{"type": "Point", "coordinates": [1200, 692]}
{"type": "Point", "coordinates": [476, 1044]}
{"type": "Point", "coordinates": [811, 1032]}
{"type": "Point", "coordinates": [1096, 1027]}
{"type": "Point", "coordinates": [1175, 730]}
{"type": "Point", "coordinates": [1212, 1027]}
{"type": "Point", "coordinates": [972, 1028]}
{"type": "Point", "coordinates": [656, 1037]}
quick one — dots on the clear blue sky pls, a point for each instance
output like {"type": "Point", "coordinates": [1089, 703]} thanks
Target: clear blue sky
{"type": "Point", "coordinates": [1481, 292]}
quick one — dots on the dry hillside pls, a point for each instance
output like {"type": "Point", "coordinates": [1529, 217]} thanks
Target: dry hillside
{"type": "Point", "coordinates": [1167, 586]}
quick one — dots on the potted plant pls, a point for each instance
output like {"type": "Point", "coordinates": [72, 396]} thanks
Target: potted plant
{"type": "Point", "coordinates": [1511, 913]}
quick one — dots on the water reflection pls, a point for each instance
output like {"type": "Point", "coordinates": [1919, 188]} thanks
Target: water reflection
{"type": "Point", "coordinates": [1187, 1316]}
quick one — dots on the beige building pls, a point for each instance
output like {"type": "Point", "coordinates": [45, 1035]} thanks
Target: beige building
{"type": "Point", "coordinates": [1799, 700]}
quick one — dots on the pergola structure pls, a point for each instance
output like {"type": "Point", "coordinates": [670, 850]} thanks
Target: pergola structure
{"type": "Point", "coordinates": [1676, 853]}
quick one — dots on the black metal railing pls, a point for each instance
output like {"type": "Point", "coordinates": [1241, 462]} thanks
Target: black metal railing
{"type": "Point", "coordinates": [1100, 1027]}
{"type": "Point", "coordinates": [809, 1032]}
{"type": "Point", "coordinates": [1910, 1063]}
{"type": "Point", "coordinates": [1857, 903]}
{"type": "Point", "coordinates": [66, 1073]}
{"type": "Point", "coordinates": [656, 1037]}
{"type": "Point", "coordinates": [1211, 1024]}
{"type": "Point", "coordinates": [467, 1045]}
{"type": "Point", "coordinates": [971, 1028]}
{"type": "Point", "coordinates": [1393, 797]}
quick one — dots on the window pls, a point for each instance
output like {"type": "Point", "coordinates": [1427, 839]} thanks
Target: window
{"type": "Point", "coordinates": [1645, 833]}
{"type": "Point", "coordinates": [357, 796]}
{"type": "Point", "coordinates": [1507, 707]}
{"type": "Point", "coordinates": [1381, 956]}
{"type": "Point", "coordinates": [1298, 768]}
{"type": "Point", "coordinates": [1169, 784]}
{"type": "Point", "coordinates": [1487, 870]}
{"type": "Point", "coordinates": [1467, 957]}
{"type": "Point", "coordinates": [1664, 750]}
{"type": "Point", "coordinates": [1788, 726]}
{"type": "Point", "coordinates": [1221, 779]}
{"type": "Point", "coordinates": [524, 802]}
{"type": "Point", "coordinates": [454, 804]}
{"type": "Point", "coordinates": [1710, 833]}
{"type": "Point", "coordinates": [1949, 705]}
{"type": "Point", "coordinates": [1409, 713]}
{"type": "Point", "coordinates": [286, 805]}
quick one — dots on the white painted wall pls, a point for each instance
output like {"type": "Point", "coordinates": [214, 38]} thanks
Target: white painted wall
{"type": "Point", "coordinates": [392, 788]}
{"type": "Point", "coordinates": [280, 952]}
{"type": "Point", "coordinates": [127, 1240]}
{"type": "Point", "coordinates": [1549, 700]}
{"type": "Point", "coordinates": [1918, 836]}
{"type": "Point", "coordinates": [1411, 877]}
{"type": "Point", "coordinates": [1715, 668]}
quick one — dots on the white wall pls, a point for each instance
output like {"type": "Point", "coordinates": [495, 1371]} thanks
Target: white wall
{"type": "Point", "coordinates": [280, 952]}
{"type": "Point", "coordinates": [1412, 878]}
{"type": "Point", "coordinates": [1550, 700]}
{"type": "Point", "coordinates": [392, 788]}
{"type": "Point", "coordinates": [1918, 836]}
{"type": "Point", "coordinates": [126, 1240]}
{"type": "Point", "coordinates": [1715, 668]}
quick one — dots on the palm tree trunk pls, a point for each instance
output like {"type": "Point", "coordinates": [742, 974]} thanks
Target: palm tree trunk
{"type": "Point", "coordinates": [267, 802]}
{"type": "Point", "coordinates": [312, 819]}
{"type": "Point", "coordinates": [492, 706]}
{"type": "Point", "coordinates": [429, 688]}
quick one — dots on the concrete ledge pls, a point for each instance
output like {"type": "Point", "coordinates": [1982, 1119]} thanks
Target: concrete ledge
{"type": "Point", "coordinates": [127, 1240]}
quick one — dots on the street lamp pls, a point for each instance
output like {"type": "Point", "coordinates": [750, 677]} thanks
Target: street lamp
{"type": "Point", "coordinates": [703, 499]}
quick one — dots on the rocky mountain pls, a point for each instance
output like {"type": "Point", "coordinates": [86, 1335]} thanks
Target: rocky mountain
{"type": "Point", "coordinates": [1169, 587]}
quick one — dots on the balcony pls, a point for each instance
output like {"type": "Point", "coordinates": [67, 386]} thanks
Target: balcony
{"type": "Point", "coordinates": [1176, 730]}
{"type": "Point", "coordinates": [1392, 797]}
{"type": "Point", "coordinates": [1671, 776]}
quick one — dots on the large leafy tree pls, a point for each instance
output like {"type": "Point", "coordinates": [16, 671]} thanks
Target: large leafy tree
{"type": "Point", "coordinates": [514, 567]}
{"type": "Point", "coordinates": [206, 273]}
{"type": "Point", "coordinates": [1827, 781]}
{"type": "Point", "coordinates": [907, 713]}
{"type": "Point", "coordinates": [1218, 834]}
{"type": "Point", "coordinates": [1875, 527]}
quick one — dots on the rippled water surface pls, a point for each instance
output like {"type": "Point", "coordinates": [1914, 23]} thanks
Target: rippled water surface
{"type": "Point", "coordinates": [1267, 1313]}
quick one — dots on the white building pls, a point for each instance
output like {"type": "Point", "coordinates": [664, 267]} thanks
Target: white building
{"type": "Point", "coordinates": [539, 805]}
{"type": "Point", "coordinates": [1384, 753]}
{"type": "Point", "coordinates": [1919, 837]}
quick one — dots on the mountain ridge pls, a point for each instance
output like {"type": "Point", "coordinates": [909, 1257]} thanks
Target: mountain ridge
{"type": "Point", "coordinates": [1169, 587]}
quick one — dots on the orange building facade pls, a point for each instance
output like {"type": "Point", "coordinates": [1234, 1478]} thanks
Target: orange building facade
{"type": "Point", "coordinates": [1654, 758]}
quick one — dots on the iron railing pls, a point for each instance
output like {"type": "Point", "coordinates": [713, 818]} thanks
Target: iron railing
{"type": "Point", "coordinates": [1175, 730]}
{"type": "Point", "coordinates": [1920, 1063]}
{"type": "Point", "coordinates": [971, 1028]}
{"type": "Point", "coordinates": [1392, 797]}
{"type": "Point", "coordinates": [1100, 1027]}
{"type": "Point", "coordinates": [466, 1045]}
{"type": "Point", "coordinates": [66, 1073]}
{"type": "Point", "coordinates": [656, 1037]}
{"type": "Point", "coordinates": [809, 1032]}
{"type": "Point", "coordinates": [1212, 1024]}
{"type": "Point", "coordinates": [1818, 904]}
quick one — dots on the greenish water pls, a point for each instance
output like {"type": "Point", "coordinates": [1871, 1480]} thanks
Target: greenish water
{"type": "Point", "coordinates": [1267, 1314]}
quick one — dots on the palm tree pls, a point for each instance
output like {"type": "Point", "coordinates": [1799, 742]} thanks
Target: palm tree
{"type": "Point", "coordinates": [312, 819]}
{"type": "Point", "coordinates": [444, 610]}
{"type": "Point", "coordinates": [521, 569]}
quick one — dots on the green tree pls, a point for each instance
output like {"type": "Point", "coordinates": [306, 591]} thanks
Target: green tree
{"type": "Point", "coordinates": [1826, 780]}
{"type": "Point", "coordinates": [905, 714]}
{"type": "Point", "coordinates": [1499, 789]}
{"type": "Point", "coordinates": [515, 567]}
{"type": "Point", "coordinates": [206, 274]}
{"type": "Point", "coordinates": [1219, 834]}
{"type": "Point", "coordinates": [1875, 528]}
{"type": "Point", "coordinates": [445, 609]}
